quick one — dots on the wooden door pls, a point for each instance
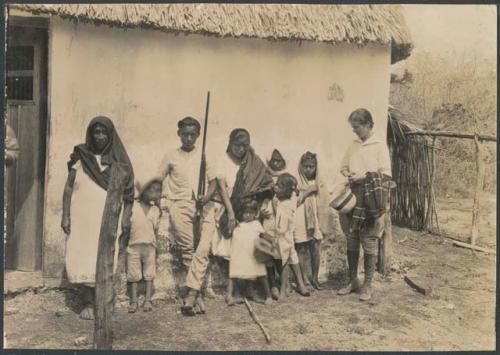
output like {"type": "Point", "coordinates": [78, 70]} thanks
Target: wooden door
{"type": "Point", "coordinates": [26, 86]}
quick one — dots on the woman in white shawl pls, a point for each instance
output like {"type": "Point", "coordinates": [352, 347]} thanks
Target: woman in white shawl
{"type": "Point", "coordinates": [313, 218]}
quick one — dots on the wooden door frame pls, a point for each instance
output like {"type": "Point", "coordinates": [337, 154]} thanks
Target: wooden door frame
{"type": "Point", "coordinates": [41, 94]}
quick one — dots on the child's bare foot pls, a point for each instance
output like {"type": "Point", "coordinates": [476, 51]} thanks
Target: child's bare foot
{"type": "Point", "coordinates": [316, 285]}
{"type": "Point", "coordinates": [259, 300]}
{"type": "Point", "coordinates": [209, 293]}
{"type": "Point", "coordinates": [132, 308]}
{"type": "Point", "coordinates": [282, 296]}
{"type": "Point", "coordinates": [268, 301]}
{"type": "Point", "coordinates": [200, 306]}
{"type": "Point", "coordinates": [303, 292]}
{"type": "Point", "coordinates": [87, 313]}
{"type": "Point", "coordinates": [231, 301]}
{"type": "Point", "coordinates": [275, 294]}
{"type": "Point", "coordinates": [147, 306]}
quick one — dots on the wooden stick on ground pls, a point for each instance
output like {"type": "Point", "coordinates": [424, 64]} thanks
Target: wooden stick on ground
{"type": "Point", "coordinates": [254, 317]}
{"type": "Point", "coordinates": [104, 292]}
{"type": "Point", "coordinates": [478, 190]}
{"type": "Point", "coordinates": [474, 247]}
{"type": "Point", "coordinates": [424, 291]}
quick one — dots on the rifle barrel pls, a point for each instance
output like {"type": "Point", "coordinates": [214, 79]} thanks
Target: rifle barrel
{"type": "Point", "coordinates": [201, 181]}
{"type": "Point", "coordinates": [206, 123]}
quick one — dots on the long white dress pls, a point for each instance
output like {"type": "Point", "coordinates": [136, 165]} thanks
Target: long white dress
{"type": "Point", "coordinates": [87, 206]}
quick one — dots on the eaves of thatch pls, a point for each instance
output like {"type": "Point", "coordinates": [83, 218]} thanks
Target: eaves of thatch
{"type": "Point", "coordinates": [357, 24]}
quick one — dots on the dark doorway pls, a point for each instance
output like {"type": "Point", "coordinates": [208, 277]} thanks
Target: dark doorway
{"type": "Point", "coordinates": [26, 86]}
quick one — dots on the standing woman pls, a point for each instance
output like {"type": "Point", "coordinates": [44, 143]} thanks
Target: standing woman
{"type": "Point", "coordinates": [83, 202]}
{"type": "Point", "coordinates": [253, 178]}
{"type": "Point", "coordinates": [367, 165]}
{"type": "Point", "coordinates": [242, 175]}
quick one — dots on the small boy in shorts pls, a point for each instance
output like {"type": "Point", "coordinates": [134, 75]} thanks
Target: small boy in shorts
{"type": "Point", "coordinates": [285, 202]}
{"type": "Point", "coordinates": [141, 251]}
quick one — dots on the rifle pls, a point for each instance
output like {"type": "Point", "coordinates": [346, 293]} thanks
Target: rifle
{"type": "Point", "coordinates": [201, 180]}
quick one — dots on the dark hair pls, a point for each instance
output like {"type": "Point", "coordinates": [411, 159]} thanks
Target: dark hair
{"type": "Point", "coordinates": [361, 116]}
{"type": "Point", "coordinates": [189, 121]}
{"type": "Point", "coordinates": [288, 182]}
{"type": "Point", "coordinates": [249, 204]}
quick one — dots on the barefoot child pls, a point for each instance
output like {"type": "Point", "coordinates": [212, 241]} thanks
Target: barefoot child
{"type": "Point", "coordinates": [308, 234]}
{"type": "Point", "coordinates": [285, 205]}
{"type": "Point", "coordinates": [276, 165]}
{"type": "Point", "coordinates": [243, 265]}
{"type": "Point", "coordinates": [141, 251]}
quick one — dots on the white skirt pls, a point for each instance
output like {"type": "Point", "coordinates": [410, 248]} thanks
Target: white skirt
{"type": "Point", "coordinates": [87, 207]}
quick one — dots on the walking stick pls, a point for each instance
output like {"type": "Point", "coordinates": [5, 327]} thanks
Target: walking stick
{"type": "Point", "coordinates": [256, 319]}
{"type": "Point", "coordinates": [201, 180]}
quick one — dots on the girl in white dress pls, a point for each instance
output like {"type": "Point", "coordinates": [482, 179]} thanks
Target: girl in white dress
{"type": "Point", "coordinates": [83, 203]}
{"type": "Point", "coordinates": [243, 265]}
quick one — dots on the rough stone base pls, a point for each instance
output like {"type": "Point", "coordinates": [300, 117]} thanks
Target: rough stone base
{"type": "Point", "coordinates": [20, 281]}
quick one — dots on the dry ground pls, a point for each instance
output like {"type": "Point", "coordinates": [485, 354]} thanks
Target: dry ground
{"type": "Point", "coordinates": [458, 315]}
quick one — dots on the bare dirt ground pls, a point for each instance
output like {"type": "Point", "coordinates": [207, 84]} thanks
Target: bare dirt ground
{"type": "Point", "coordinates": [458, 315]}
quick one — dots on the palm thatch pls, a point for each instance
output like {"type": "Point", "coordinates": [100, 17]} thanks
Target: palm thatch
{"type": "Point", "coordinates": [412, 203]}
{"type": "Point", "coordinates": [357, 24]}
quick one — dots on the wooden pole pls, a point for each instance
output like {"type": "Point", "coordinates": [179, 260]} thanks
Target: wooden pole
{"type": "Point", "coordinates": [385, 243]}
{"type": "Point", "coordinates": [474, 247]}
{"type": "Point", "coordinates": [478, 191]}
{"type": "Point", "coordinates": [430, 203]}
{"type": "Point", "coordinates": [104, 292]}
{"type": "Point", "coordinates": [453, 135]}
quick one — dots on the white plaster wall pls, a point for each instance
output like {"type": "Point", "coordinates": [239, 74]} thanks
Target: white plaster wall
{"type": "Point", "coordinates": [147, 80]}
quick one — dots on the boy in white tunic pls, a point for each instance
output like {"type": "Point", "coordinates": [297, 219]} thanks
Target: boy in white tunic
{"type": "Point", "coordinates": [141, 251]}
{"type": "Point", "coordinates": [285, 205]}
{"type": "Point", "coordinates": [179, 171]}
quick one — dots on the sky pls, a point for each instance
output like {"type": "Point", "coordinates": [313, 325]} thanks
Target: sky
{"type": "Point", "coordinates": [448, 29]}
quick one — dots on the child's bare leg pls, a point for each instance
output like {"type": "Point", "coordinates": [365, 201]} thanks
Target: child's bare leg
{"type": "Point", "coordinates": [267, 291]}
{"type": "Point", "coordinates": [272, 282]}
{"type": "Point", "coordinates": [88, 297]}
{"type": "Point", "coordinates": [315, 248]}
{"type": "Point", "coordinates": [302, 250]}
{"type": "Point", "coordinates": [251, 292]}
{"type": "Point", "coordinates": [238, 291]}
{"type": "Point", "coordinates": [285, 275]}
{"type": "Point", "coordinates": [133, 301]}
{"type": "Point", "coordinates": [229, 292]}
{"type": "Point", "coordinates": [298, 278]}
{"type": "Point", "coordinates": [147, 302]}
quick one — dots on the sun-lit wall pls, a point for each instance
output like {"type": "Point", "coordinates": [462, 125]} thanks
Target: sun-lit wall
{"type": "Point", "coordinates": [291, 96]}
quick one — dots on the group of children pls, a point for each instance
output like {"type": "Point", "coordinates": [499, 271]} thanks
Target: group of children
{"type": "Point", "coordinates": [263, 246]}
{"type": "Point", "coordinates": [272, 222]}
{"type": "Point", "coordinates": [276, 236]}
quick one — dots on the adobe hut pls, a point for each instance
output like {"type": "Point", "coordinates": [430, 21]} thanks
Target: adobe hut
{"type": "Point", "coordinates": [290, 74]}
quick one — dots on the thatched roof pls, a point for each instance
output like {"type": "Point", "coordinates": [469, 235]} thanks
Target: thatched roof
{"type": "Point", "coordinates": [358, 24]}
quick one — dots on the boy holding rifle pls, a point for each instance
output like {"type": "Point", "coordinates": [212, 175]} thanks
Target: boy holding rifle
{"type": "Point", "coordinates": [179, 172]}
{"type": "Point", "coordinates": [203, 237]}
